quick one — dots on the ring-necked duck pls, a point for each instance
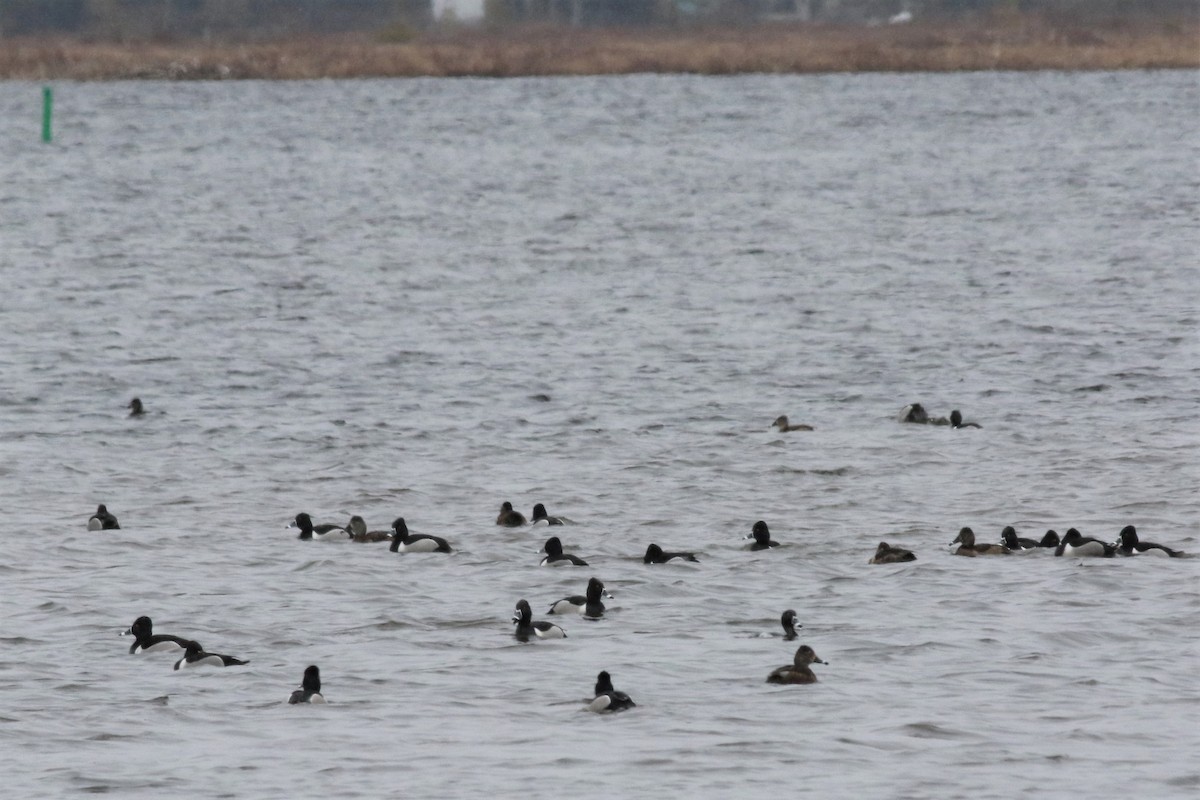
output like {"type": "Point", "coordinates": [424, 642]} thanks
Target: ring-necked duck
{"type": "Point", "coordinates": [136, 409]}
{"type": "Point", "coordinates": [886, 554]}
{"type": "Point", "coordinates": [194, 656]}
{"type": "Point", "coordinates": [1050, 539]}
{"type": "Point", "coordinates": [540, 515]}
{"type": "Point", "coordinates": [656, 555]}
{"type": "Point", "coordinates": [609, 699]}
{"type": "Point", "coordinates": [798, 671]}
{"type": "Point", "coordinates": [590, 606]}
{"type": "Point", "coordinates": [1075, 543]}
{"type": "Point", "coordinates": [555, 557]}
{"type": "Point", "coordinates": [510, 518]}
{"type": "Point", "coordinates": [956, 421]}
{"type": "Point", "coordinates": [405, 542]}
{"type": "Point", "coordinates": [916, 413]}
{"type": "Point", "coordinates": [102, 520]}
{"type": "Point", "coordinates": [1128, 545]}
{"type": "Point", "coordinates": [522, 618]}
{"type": "Point", "coordinates": [323, 532]}
{"type": "Point", "coordinates": [145, 640]}
{"type": "Point", "coordinates": [782, 424]}
{"type": "Point", "coordinates": [1009, 538]}
{"type": "Point", "coordinates": [761, 537]}
{"type": "Point", "coordinates": [966, 540]}
{"type": "Point", "coordinates": [310, 688]}
{"type": "Point", "coordinates": [357, 528]}
{"type": "Point", "coordinates": [788, 621]}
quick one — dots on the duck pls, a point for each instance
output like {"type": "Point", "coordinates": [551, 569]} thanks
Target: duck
{"type": "Point", "coordinates": [540, 516]}
{"type": "Point", "coordinates": [608, 699]}
{"type": "Point", "coordinates": [782, 424]}
{"type": "Point", "coordinates": [508, 517]}
{"type": "Point", "coordinates": [405, 542]}
{"type": "Point", "coordinates": [357, 528]}
{"type": "Point", "coordinates": [886, 554]}
{"type": "Point", "coordinates": [1075, 543]}
{"type": "Point", "coordinates": [761, 537]}
{"type": "Point", "coordinates": [1050, 539]}
{"type": "Point", "coordinates": [522, 616]}
{"type": "Point", "coordinates": [194, 656]}
{"type": "Point", "coordinates": [136, 409]}
{"type": "Point", "coordinates": [103, 520]}
{"type": "Point", "coordinates": [788, 621]}
{"type": "Point", "coordinates": [1009, 538]}
{"type": "Point", "coordinates": [656, 555]}
{"type": "Point", "coordinates": [798, 671]}
{"type": "Point", "coordinates": [322, 533]}
{"type": "Point", "coordinates": [1127, 544]}
{"type": "Point", "coordinates": [555, 557]}
{"type": "Point", "coordinates": [966, 540]}
{"type": "Point", "coordinates": [956, 421]}
{"type": "Point", "coordinates": [916, 413]}
{"type": "Point", "coordinates": [145, 640]}
{"type": "Point", "coordinates": [590, 606]}
{"type": "Point", "coordinates": [310, 688]}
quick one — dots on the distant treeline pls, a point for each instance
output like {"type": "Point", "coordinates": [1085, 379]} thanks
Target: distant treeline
{"type": "Point", "coordinates": [249, 19]}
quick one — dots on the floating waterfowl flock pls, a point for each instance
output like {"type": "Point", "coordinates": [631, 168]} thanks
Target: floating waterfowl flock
{"type": "Point", "coordinates": [590, 605]}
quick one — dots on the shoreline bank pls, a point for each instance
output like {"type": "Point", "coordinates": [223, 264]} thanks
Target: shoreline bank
{"type": "Point", "coordinates": [545, 51]}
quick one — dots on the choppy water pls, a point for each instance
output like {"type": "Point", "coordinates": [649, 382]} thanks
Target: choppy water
{"type": "Point", "coordinates": [423, 298]}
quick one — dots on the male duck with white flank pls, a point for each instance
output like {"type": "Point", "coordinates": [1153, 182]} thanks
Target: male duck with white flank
{"type": "Point", "coordinates": [405, 542]}
{"type": "Point", "coordinates": [609, 699]}
{"type": "Point", "coordinates": [526, 627]}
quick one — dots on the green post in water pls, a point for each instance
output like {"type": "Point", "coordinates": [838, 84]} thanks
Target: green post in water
{"type": "Point", "coordinates": [47, 111]}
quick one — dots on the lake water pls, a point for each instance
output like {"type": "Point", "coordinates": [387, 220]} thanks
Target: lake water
{"type": "Point", "coordinates": [423, 298]}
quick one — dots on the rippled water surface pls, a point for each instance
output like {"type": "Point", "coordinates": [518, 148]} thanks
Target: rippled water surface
{"type": "Point", "coordinates": [423, 298]}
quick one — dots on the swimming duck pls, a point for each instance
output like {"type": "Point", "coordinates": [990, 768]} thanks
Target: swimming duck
{"type": "Point", "coordinates": [194, 656]}
{"type": "Point", "coordinates": [102, 520]}
{"type": "Point", "coordinates": [761, 537]}
{"type": "Point", "coordinates": [322, 533]}
{"type": "Point", "coordinates": [916, 413]}
{"type": "Point", "coordinates": [405, 542]}
{"type": "Point", "coordinates": [508, 517]}
{"type": "Point", "coordinates": [1009, 538]}
{"type": "Point", "coordinates": [1050, 539]}
{"type": "Point", "coordinates": [1127, 544]}
{"type": "Point", "coordinates": [555, 557]}
{"type": "Point", "coordinates": [886, 554]}
{"type": "Point", "coordinates": [782, 424]}
{"type": "Point", "coordinates": [540, 515]}
{"type": "Point", "coordinates": [956, 421]}
{"type": "Point", "coordinates": [310, 688]}
{"type": "Point", "coordinates": [522, 618]}
{"type": "Point", "coordinates": [609, 699]}
{"type": "Point", "coordinates": [145, 640]}
{"type": "Point", "coordinates": [788, 621]}
{"type": "Point", "coordinates": [656, 555]}
{"type": "Point", "coordinates": [966, 540]}
{"type": "Point", "coordinates": [135, 407]}
{"type": "Point", "coordinates": [357, 528]}
{"type": "Point", "coordinates": [798, 671]}
{"type": "Point", "coordinates": [1075, 543]}
{"type": "Point", "coordinates": [590, 606]}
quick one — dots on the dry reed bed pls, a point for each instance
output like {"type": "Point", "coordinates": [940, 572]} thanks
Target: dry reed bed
{"type": "Point", "coordinates": [1015, 45]}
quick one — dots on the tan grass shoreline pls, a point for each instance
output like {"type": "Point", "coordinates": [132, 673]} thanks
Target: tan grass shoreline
{"type": "Point", "coordinates": [1013, 45]}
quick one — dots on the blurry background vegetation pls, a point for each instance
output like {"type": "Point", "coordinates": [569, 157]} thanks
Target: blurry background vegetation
{"type": "Point", "coordinates": [172, 20]}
